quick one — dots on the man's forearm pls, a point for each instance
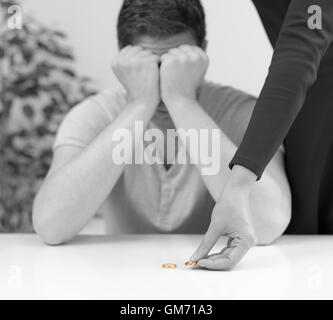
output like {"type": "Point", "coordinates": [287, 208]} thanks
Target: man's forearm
{"type": "Point", "coordinates": [71, 195]}
{"type": "Point", "coordinates": [188, 114]}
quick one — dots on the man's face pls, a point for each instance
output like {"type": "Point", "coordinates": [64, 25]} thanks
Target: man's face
{"type": "Point", "coordinates": [160, 46]}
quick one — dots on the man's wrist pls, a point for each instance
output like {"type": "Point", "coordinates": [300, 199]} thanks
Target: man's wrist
{"type": "Point", "coordinates": [179, 101]}
{"type": "Point", "coordinates": [147, 104]}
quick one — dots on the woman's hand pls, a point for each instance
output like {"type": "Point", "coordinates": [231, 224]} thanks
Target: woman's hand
{"type": "Point", "coordinates": [230, 218]}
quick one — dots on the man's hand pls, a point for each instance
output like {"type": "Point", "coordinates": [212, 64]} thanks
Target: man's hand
{"type": "Point", "coordinates": [137, 70]}
{"type": "Point", "coordinates": [182, 72]}
{"type": "Point", "coordinates": [230, 218]}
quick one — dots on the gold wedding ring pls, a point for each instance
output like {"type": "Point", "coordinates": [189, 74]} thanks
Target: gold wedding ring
{"type": "Point", "coordinates": [169, 266]}
{"type": "Point", "coordinates": [190, 264]}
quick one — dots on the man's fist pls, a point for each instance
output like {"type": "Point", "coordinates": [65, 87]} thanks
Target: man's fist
{"type": "Point", "coordinates": [182, 72]}
{"type": "Point", "coordinates": [137, 70]}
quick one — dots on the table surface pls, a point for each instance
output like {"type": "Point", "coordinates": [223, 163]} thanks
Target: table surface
{"type": "Point", "coordinates": [130, 267]}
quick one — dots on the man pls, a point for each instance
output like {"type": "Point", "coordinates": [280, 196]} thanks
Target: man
{"type": "Point", "coordinates": [161, 66]}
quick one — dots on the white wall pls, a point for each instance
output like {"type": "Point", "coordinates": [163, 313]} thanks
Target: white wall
{"type": "Point", "coordinates": [238, 47]}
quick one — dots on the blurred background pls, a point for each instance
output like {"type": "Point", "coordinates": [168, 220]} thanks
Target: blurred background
{"type": "Point", "coordinates": [63, 54]}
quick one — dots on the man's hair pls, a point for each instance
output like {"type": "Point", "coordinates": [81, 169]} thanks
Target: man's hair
{"type": "Point", "coordinates": [160, 19]}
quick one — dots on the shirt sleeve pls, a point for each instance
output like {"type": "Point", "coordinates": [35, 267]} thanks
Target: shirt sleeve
{"type": "Point", "coordinates": [82, 124]}
{"type": "Point", "coordinates": [296, 60]}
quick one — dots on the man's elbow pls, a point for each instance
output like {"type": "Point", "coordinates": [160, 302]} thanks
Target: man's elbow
{"type": "Point", "coordinates": [272, 212]}
{"type": "Point", "coordinates": [274, 227]}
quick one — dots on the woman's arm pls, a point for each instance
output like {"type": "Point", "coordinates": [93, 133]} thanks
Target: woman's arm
{"type": "Point", "coordinates": [297, 56]}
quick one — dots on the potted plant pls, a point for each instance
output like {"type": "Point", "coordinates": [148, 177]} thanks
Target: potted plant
{"type": "Point", "coordinates": [38, 86]}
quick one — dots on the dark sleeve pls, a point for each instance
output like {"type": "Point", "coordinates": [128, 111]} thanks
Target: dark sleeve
{"type": "Point", "coordinates": [296, 60]}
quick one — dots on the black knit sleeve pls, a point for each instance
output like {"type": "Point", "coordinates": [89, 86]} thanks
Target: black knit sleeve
{"type": "Point", "coordinates": [296, 60]}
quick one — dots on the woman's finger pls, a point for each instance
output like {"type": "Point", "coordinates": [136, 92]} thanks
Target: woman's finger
{"type": "Point", "coordinates": [209, 240]}
{"type": "Point", "coordinates": [228, 258]}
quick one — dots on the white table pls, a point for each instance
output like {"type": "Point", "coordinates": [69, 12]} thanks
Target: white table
{"type": "Point", "coordinates": [129, 267]}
